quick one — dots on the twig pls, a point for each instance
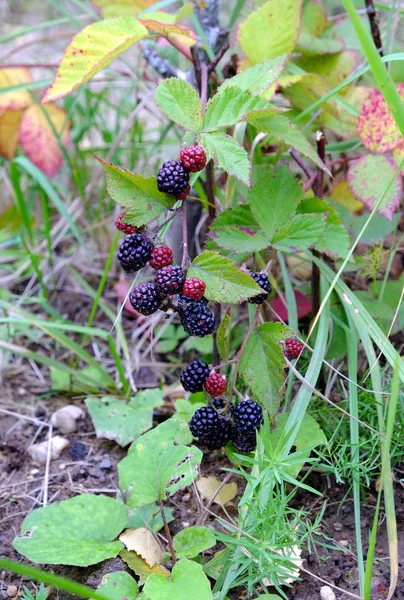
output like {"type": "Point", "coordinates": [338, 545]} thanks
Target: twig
{"type": "Point", "coordinates": [167, 532]}
{"type": "Point", "coordinates": [212, 66]}
{"type": "Point", "coordinates": [318, 189]}
{"type": "Point", "coordinates": [301, 164]}
{"type": "Point", "coordinates": [159, 64]}
{"type": "Point", "coordinates": [197, 66]}
{"type": "Point", "coordinates": [184, 234]}
{"type": "Point", "coordinates": [374, 25]}
{"type": "Point", "coordinates": [204, 84]}
{"type": "Point", "coordinates": [218, 314]}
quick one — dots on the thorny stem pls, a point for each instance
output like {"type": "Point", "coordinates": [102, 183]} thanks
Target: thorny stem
{"type": "Point", "coordinates": [212, 66]}
{"type": "Point", "coordinates": [374, 25]}
{"type": "Point", "coordinates": [184, 234]}
{"type": "Point", "coordinates": [318, 189]}
{"type": "Point", "coordinates": [167, 532]}
{"type": "Point", "coordinates": [217, 314]}
{"type": "Point", "coordinates": [204, 84]}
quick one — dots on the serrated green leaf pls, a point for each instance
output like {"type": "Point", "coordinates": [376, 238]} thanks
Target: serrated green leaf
{"type": "Point", "coordinates": [262, 365]}
{"type": "Point", "coordinates": [181, 103]}
{"type": "Point", "coordinates": [239, 215]}
{"type": "Point", "coordinates": [310, 45]}
{"type": "Point", "coordinates": [157, 465]}
{"type": "Point", "coordinates": [79, 531]}
{"type": "Point", "coordinates": [227, 153]}
{"type": "Point", "coordinates": [229, 106]}
{"type": "Point", "coordinates": [283, 130]}
{"type": "Point", "coordinates": [148, 516]}
{"type": "Point", "coordinates": [123, 422]}
{"type": "Point", "coordinates": [300, 233]}
{"type": "Point", "coordinates": [136, 193]}
{"type": "Point", "coordinates": [239, 239]}
{"type": "Point", "coordinates": [188, 582]}
{"type": "Point", "coordinates": [259, 78]}
{"type": "Point", "coordinates": [271, 30]}
{"type": "Point", "coordinates": [224, 281]}
{"type": "Point", "coordinates": [335, 239]}
{"type": "Point", "coordinates": [191, 541]}
{"type": "Point", "coordinates": [118, 585]}
{"type": "Point", "coordinates": [274, 197]}
{"type": "Point", "coordinates": [223, 335]}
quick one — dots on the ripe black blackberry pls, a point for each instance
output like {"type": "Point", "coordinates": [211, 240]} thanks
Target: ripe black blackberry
{"type": "Point", "coordinates": [145, 299]}
{"type": "Point", "coordinates": [219, 437]}
{"type": "Point", "coordinates": [182, 299]}
{"type": "Point", "coordinates": [263, 282]}
{"type": "Point", "coordinates": [193, 377]}
{"type": "Point", "coordinates": [173, 177]}
{"type": "Point", "coordinates": [244, 443]}
{"type": "Point", "coordinates": [197, 319]}
{"type": "Point", "coordinates": [169, 280]}
{"type": "Point", "coordinates": [211, 430]}
{"type": "Point", "coordinates": [135, 252]}
{"type": "Point", "coordinates": [247, 417]}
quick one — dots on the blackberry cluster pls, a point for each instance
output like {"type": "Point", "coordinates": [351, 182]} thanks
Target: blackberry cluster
{"type": "Point", "coordinates": [263, 282]}
{"type": "Point", "coordinates": [135, 252]}
{"type": "Point", "coordinates": [194, 376]}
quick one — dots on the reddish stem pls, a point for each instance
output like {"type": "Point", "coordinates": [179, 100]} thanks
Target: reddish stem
{"type": "Point", "coordinates": [184, 234]}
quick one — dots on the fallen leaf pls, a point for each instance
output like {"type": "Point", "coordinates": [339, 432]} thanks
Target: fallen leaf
{"type": "Point", "coordinates": [143, 542]}
{"type": "Point", "coordinates": [9, 130]}
{"type": "Point", "coordinates": [17, 99]}
{"type": "Point", "coordinates": [140, 566]}
{"type": "Point", "coordinates": [208, 486]}
{"type": "Point", "coordinates": [303, 304]}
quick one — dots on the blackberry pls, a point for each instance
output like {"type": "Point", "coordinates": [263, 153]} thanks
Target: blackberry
{"type": "Point", "coordinates": [125, 227]}
{"type": "Point", "coordinates": [193, 158]}
{"type": "Point", "coordinates": [135, 252]}
{"type": "Point", "coordinates": [162, 256]}
{"type": "Point", "coordinates": [219, 437]}
{"type": "Point", "coordinates": [293, 348]}
{"type": "Point", "coordinates": [145, 299]}
{"type": "Point", "coordinates": [211, 430]}
{"type": "Point", "coordinates": [217, 403]}
{"type": "Point", "coordinates": [197, 319]}
{"type": "Point", "coordinates": [247, 417]}
{"type": "Point", "coordinates": [216, 384]}
{"type": "Point", "coordinates": [244, 443]}
{"type": "Point", "coordinates": [194, 376]}
{"type": "Point", "coordinates": [169, 280]}
{"type": "Point", "coordinates": [263, 282]}
{"type": "Point", "coordinates": [194, 288]}
{"type": "Point", "coordinates": [183, 195]}
{"type": "Point", "coordinates": [172, 177]}
{"type": "Point", "coordinates": [182, 299]}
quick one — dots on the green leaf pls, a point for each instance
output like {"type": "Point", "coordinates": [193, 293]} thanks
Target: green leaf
{"type": "Point", "coordinates": [229, 106]}
{"type": "Point", "coordinates": [136, 193]}
{"type": "Point", "coordinates": [335, 240]}
{"type": "Point", "coordinates": [239, 239]}
{"type": "Point", "coordinates": [91, 50]}
{"type": "Point", "coordinates": [310, 45]}
{"type": "Point", "coordinates": [227, 153]}
{"type": "Point", "coordinates": [300, 233]}
{"type": "Point", "coordinates": [148, 516]}
{"type": "Point", "coordinates": [79, 531]}
{"type": "Point", "coordinates": [156, 466]}
{"type": "Point", "coordinates": [88, 379]}
{"type": "Point", "coordinates": [274, 197]}
{"type": "Point", "coordinates": [271, 30]}
{"type": "Point", "coordinates": [118, 585]}
{"type": "Point", "coordinates": [223, 336]}
{"type": "Point", "coordinates": [262, 365]}
{"type": "Point", "coordinates": [191, 541]}
{"type": "Point", "coordinates": [184, 409]}
{"type": "Point", "coordinates": [224, 281]}
{"type": "Point", "coordinates": [124, 422]}
{"type": "Point", "coordinates": [283, 130]}
{"type": "Point", "coordinates": [180, 102]}
{"type": "Point", "coordinates": [188, 582]}
{"type": "Point", "coordinates": [257, 79]}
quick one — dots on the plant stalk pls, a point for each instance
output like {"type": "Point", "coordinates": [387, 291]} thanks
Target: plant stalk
{"type": "Point", "coordinates": [167, 532]}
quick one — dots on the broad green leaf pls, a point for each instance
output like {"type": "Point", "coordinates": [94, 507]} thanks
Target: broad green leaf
{"type": "Point", "coordinates": [271, 30]}
{"type": "Point", "coordinates": [262, 365]}
{"type": "Point", "coordinates": [191, 541]}
{"type": "Point", "coordinates": [91, 50]}
{"type": "Point", "coordinates": [136, 193]}
{"type": "Point", "coordinates": [224, 281]}
{"type": "Point", "coordinates": [180, 102]}
{"type": "Point", "coordinates": [188, 582]}
{"type": "Point", "coordinates": [229, 106]}
{"type": "Point", "coordinates": [123, 422]}
{"type": "Point", "coordinates": [239, 239]}
{"type": "Point", "coordinates": [118, 585]}
{"type": "Point", "coordinates": [239, 215]}
{"type": "Point", "coordinates": [156, 466]}
{"type": "Point", "coordinates": [310, 45]}
{"type": "Point", "coordinates": [148, 516]}
{"type": "Point", "coordinates": [300, 233]}
{"type": "Point", "coordinates": [335, 239]}
{"type": "Point", "coordinates": [257, 79]}
{"type": "Point", "coordinates": [184, 409]}
{"type": "Point", "coordinates": [88, 379]}
{"type": "Point", "coordinates": [227, 153]}
{"type": "Point", "coordinates": [80, 531]}
{"type": "Point", "coordinates": [368, 179]}
{"type": "Point", "coordinates": [274, 197]}
{"type": "Point", "coordinates": [283, 130]}
{"type": "Point", "coordinates": [335, 68]}
{"type": "Point", "coordinates": [223, 335]}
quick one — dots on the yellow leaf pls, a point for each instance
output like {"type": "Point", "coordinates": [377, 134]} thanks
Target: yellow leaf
{"type": "Point", "coordinates": [39, 141]}
{"type": "Point", "coordinates": [140, 566]}
{"type": "Point", "coordinates": [208, 486]}
{"type": "Point", "coordinates": [18, 99]}
{"type": "Point", "coordinates": [92, 49]}
{"type": "Point", "coordinates": [122, 8]}
{"type": "Point", "coordinates": [342, 194]}
{"type": "Point", "coordinates": [143, 542]}
{"type": "Point", "coordinates": [9, 127]}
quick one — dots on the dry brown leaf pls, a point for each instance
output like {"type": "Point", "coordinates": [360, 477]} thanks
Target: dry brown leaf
{"type": "Point", "coordinates": [208, 486]}
{"type": "Point", "coordinates": [140, 566]}
{"type": "Point", "coordinates": [143, 542]}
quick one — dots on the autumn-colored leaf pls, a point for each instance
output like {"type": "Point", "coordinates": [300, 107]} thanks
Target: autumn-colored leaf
{"type": "Point", "coordinates": [9, 127]}
{"type": "Point", "coordinates": [38, 139]}
{"type": "Point", "coordinates": [121, 8]}
{"type": "Point", "coordinates": [343, 195]}
{"type": "Point", "coordinates": [16, 100]}
{"type": "Point", "coordinates": [377, 128]}
{"type": "Point", "coordinates": [167, 29]}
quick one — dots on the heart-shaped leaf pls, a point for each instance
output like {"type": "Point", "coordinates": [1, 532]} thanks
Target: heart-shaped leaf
{"type": "Point", "coordinates": [188, 582]}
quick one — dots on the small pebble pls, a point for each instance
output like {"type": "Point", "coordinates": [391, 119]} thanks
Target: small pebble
{"type": "Point", "coordinates": [326, 593]}
{"type": "Point", "coordinates": [337, 526]}
{"type": "Point", "coordinates": [106, 463]}
{"type": "Point", "coordinates": [344, 543]}
{"type": "Point", "coordinates": [12, 591]}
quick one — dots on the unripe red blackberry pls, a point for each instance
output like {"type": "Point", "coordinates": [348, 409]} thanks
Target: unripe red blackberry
{"type": "Point", "coordinates": [172, 177]}
{"type": "Point", "coordinates": [169, 280]}
{"type": "Point", "coordinates": [197, 319]}
{"type": "Point", "coordinates": [135, 252]}
{"type": "Point", "coordinates": [145, 299]}
{"type": "Point", "coordinates": [293, 348]}
{"type": "Point", "coordinates": [216, 384]}
{"type": "Point", "coordinates": [125, 227]}
{"type": "Point", "coordinates": [263, 282]}
{"type": "Point", "coordinates": [194, 288]}
{"type": "Point", "coordinates": [247, 417]}
{"type": "Point", "coordinates": [162, 256]}
{"type": "Point", "coordinates": [183, 195]}
{"type": "Point", "coordinates": [194, 376]}
{"type": "Point", "coordinates": [244, 443]}
{"type": "Point", "coordinates": [193, 158]}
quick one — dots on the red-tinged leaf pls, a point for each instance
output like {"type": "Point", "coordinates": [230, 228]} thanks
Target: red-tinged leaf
{"type": "Point", "coordinates": [368, 179]}
{"type": "Point", "coordinates": [167, 29]}
{"type": "Point", "coordinates": [377, 128]}
{"type": "Point", "coordinates": [122, 288]}
{"type": "Point", "coordinates": [16, 100]}
{"type": "Point", "coordinates": [38, 138]}
{"type": "Point", "coordinates": [303, 303]}
{"type": "Point", "coordinates": [91, 50]}
{"type": "Point", "coordinates": [9, 128]}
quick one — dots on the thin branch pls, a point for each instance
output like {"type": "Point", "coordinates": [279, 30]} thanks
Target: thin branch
{"type": "Point", "coordinates": [159, 64]}
{"type": "Point", "coordinates": [374, 25]}
{"type": "Point", "coordinates": [212, 66]}
{"type": "Point", "coordinates": [204, 84]}
{"type": "Point", "coordinates": [184, 234]}
{"type": "Point", "coordinates": [197, 67]}
{"type": "Point", "coordinates": [301, 164]}
{"type": "Point", "coordinates": [167, 532]}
